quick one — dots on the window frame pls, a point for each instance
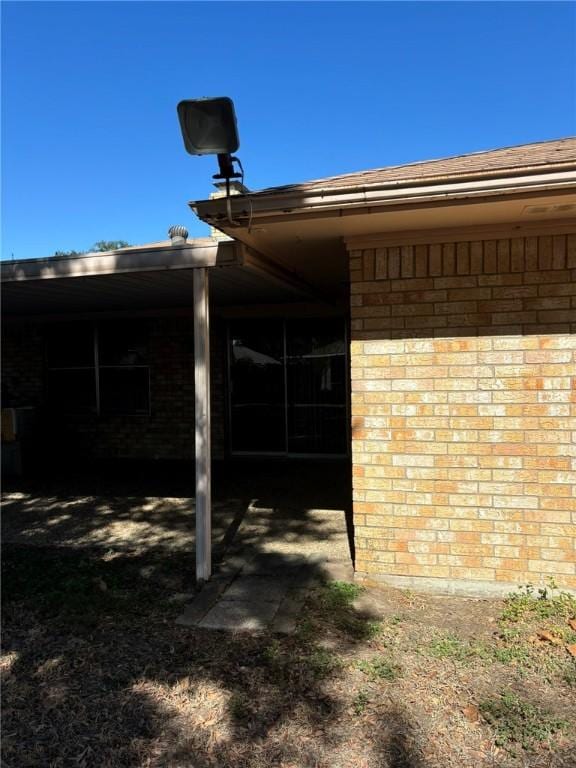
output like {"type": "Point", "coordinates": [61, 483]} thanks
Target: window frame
{"type": "Point", "coordinates": [96, 369]}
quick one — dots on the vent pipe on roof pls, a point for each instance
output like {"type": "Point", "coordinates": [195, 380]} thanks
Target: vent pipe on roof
{"type": "Point", "coordinates": [178, 234]}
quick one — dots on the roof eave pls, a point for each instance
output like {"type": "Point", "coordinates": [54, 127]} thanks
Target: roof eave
{"type": "Point", "coordinates": [153, 258]}
{"type": "Point", "coordinates": [430, 179]}
{"type": "Point", "coordinates": [228, 214]}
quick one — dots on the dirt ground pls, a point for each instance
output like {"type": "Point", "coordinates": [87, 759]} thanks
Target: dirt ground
{"type": "Point", "coordinates": [97, 674]}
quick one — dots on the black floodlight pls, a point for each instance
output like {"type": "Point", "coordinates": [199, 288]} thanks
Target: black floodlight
{"type": "Point", "coordinates": [209, 126]}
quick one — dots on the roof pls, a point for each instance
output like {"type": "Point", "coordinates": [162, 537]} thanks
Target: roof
{"type": "Point", "coordinates": [152, 257]}
{"type": "Point", "coordinates": [157, 245]}
{"type": "Point", "coordinates": [149, 277]}
{"type": "Point", "coordinates": [540, 157]}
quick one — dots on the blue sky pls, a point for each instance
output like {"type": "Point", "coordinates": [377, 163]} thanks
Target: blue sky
{"type": "Point", "coordinates": [91, 147]}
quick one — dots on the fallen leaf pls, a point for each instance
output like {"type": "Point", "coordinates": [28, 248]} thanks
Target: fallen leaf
{"type": "Point", "coordinates": [571, 649]}
{"type": "Point", "coordinates": [549, 637]}
{"type": "Point", "coordinates": [471, 713]}
{"type": "Point", "coordinates": [572, 623]}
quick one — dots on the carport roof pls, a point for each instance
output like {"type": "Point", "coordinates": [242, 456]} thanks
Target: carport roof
{"type": "Point", "coordinates": [139, 278]}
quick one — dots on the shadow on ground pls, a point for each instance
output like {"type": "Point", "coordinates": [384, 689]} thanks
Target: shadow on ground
{"type": "Point", "coordinates": [96, 672]}
{"type": "Point", "coordinates": [145, 507]}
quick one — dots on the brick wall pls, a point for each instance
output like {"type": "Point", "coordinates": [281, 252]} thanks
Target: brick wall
{"type": "Point", "coordinates": [167, 433]}
{"type": "Point", "coordinates": [463, 362]}
{"type": "Point", "coordinates": [22, 364]}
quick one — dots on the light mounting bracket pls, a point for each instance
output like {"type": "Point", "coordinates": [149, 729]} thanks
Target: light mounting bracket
{"type": "Point", "coordinates": [209, 127]}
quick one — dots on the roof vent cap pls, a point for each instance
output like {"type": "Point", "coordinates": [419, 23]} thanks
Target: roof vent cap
{"type": "Point", "coordinates": [178, 234]}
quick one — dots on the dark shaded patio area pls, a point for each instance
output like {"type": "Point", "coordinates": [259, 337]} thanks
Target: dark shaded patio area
{"type": "Point", "coordinates": [268, 506]}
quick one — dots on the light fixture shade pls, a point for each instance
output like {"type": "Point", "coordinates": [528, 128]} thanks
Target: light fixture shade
{"type": "Point", "coordinates": [209, 126]}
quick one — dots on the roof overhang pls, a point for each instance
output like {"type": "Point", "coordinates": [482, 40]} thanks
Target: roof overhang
{"type": "Point", "coordinates": [154, 278]}
{"type": "Point", "coordinates": [307, 230]}
{"type": "Point", "coordinates": [244, 210]}
{"type": "Point", "coordinates": [156, 257]}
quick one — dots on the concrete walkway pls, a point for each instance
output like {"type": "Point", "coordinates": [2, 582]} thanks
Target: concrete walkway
{"type": "Point", "coordinates": [281, 525]}
{"type": "Point", "coordinates": [277, 556]}
{"type": "Point", "coordinates": [263, 593]}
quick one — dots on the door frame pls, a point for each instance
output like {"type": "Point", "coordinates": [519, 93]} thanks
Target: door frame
{"type": "Point", "coordinates": [286, 454]}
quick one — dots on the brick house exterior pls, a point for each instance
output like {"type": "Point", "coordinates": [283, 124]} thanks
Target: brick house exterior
{"type": "Point", "coordinates": [166, 433]}
{"type": "Point", "coordinates": [457, 279]}
{"type": "Point", "coordinates": [462, 292]}
{"type": "Point", "coordinates": [463, 403]}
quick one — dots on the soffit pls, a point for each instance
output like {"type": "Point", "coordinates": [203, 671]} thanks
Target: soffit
{"type": "Point", "coordinates": [139, 291]}
{"type": "Point", "coordinates": [314, 246]}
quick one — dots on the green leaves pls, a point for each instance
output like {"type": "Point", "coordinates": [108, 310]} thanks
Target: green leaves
{"type": "Point", "coordinates": [518, 721]}
{"type": "Point", "coordinates": [99, 247]}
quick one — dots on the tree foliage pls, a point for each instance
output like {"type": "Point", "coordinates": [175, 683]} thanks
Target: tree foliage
{"type": "Point", "coordinates": [99, 247]}
{"type": "Point", "coordinates": [109, 245]}
{"type": "Point", "coordinates": [68, 254]}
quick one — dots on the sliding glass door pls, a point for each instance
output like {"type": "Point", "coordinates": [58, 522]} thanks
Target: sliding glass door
{"type": "Point", "coordinates": [257, 393]}
{"type": "Point", "coordinates": [287, 385]}
{"type": "Point", "coordinates": [316, 386]}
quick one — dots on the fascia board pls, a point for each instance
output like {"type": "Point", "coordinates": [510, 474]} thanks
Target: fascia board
{"type": "Point", "coordinates": [117, 262]}
{"type": "Point", "coordinates": [220, 210]}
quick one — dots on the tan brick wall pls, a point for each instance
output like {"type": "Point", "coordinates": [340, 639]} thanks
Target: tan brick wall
{"type": "Point", "coordinates": [463, 360]}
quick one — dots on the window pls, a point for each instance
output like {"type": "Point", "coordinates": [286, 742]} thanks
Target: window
{"type": "Point", "coordinates": [287, 386]}
{"type": "Point", "coordinates": [101, 369]}
{"type": "Point", "coordinates": [71, 383]}
{"type": "Point", "coordinates": [124, 374]}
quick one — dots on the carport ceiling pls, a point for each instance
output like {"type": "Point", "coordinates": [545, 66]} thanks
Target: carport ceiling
{"type": "Point", "coordinates": [229, 285]}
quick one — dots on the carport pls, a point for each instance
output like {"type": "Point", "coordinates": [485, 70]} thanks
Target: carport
{"type": "Point", "coordinates": [191, 280]}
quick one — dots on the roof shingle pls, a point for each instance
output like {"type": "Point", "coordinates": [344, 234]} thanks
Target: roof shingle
{"type": "Point", "coordinates": [541, 155]}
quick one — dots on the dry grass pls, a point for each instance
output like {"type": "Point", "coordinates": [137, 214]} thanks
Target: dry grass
{"type": "Point", "coordinates": [96, 673]}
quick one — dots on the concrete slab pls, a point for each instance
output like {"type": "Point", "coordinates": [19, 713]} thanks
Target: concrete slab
{"type": "Point", "coordinates": [203, 601]}
{"type": "Point", "coordinates": [254, 588]}
{"type": "Point", "coordinates": [238, 616]}
{"type": "Point", "coordinates": [274, 563]}
{"type": "Point", "coordinates": [267, 593]}
{"type": "Point", "coordinates": [280, 551]}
